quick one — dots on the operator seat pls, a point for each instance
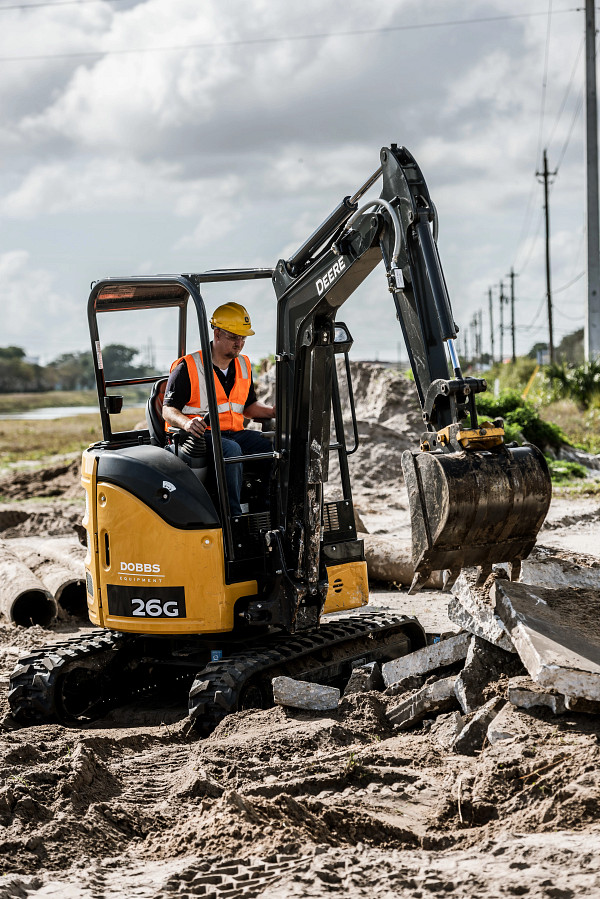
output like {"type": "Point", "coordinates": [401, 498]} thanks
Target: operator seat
{"type": "Point", "coordinates": [154, 419]}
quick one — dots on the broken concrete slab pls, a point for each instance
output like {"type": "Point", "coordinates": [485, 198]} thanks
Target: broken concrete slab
{"type": "Point", "coordinates": [472, 609]}
{"type": "Point", "coordinates": [430, 607]}
{"type": "Point", "coordinates": [582, 706]}
{"type": "Point", "coordinates": [526, 694]}
{"type": "Point", "coordinates": [446, 728]}
{"type": "Point", "coordinates": [430, 658]}
{"type": "Point", "coordinates": [364, 678]}
{"type": "Point", "coordinates": [548, 567]}
{"type": "Point", "coordinates": [435, 697]}
{"type": "Point", "coordinates": [508, 724]}
{"type": "Point", "coordinates": [556, 633]}
{"type": "Point", "coordinates": [483, 664]}
{"type": "Point", "coordinates": [470, 739]}
{"type": "Point", "coordinates": [406, 685]}
{"type": "Point", "coordinates": [303, 695]}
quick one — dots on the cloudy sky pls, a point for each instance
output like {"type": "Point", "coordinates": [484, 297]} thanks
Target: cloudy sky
{"type": "Point", "coordinates": [144, 136]}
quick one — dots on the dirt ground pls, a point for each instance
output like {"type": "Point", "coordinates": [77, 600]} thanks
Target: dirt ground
{"type": "Point", "coordinates": [280, 803]}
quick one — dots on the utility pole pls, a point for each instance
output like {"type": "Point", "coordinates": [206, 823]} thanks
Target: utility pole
{"type": "Point", "coordinates": [475, 339]}
{"type": "Point", "coordinates": [491, 323]}
{"type": "Point", "coordinates": [512, 277]}
{"type": "Point", "coordinates": [480, 317]}
{"type": "Point", "coordinates": [591, 340]}
{"type": "Point", "coordinates": [545, 176]}
{"type": "Point", "coordinates": [501, 323]}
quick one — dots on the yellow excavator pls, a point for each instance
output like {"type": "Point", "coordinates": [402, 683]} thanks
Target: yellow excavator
{"type": "Point", "coordinates": [187, 596]}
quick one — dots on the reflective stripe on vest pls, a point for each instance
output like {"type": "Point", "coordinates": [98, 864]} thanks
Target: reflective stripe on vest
{"type": "Point", "coordinates": [230, 408]}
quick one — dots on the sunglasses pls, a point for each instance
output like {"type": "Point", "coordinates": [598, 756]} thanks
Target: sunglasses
{"type": "Point", "coordinates": [232, 337]}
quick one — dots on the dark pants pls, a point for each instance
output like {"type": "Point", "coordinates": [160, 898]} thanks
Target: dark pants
{"type": "Point", "coordinates": [238, 443]}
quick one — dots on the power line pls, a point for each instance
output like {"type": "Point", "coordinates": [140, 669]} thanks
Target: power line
{"type": "Point", "coordinates": [524, 236]}
{"type": "Point", "coordinates": [571, 318]}
{"type": "Point", "coordinates": [530, 326]}
{"type": "Point", "coordinates": [570, 284]}
{"type": "Point", "coordinates": [87, 54]}
{"type": "Point", "coordinates": [525, 263]}
{"type": "Point", "coordinates": [567, 91]}
{"type": "Point", "coordinates": [576, 115]}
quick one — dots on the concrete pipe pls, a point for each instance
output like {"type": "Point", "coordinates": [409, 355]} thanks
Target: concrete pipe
{"type": "Point", "coordinates": [390, 559]}
{"type": "Point", "coordinates": [58, 563]}
{"type": "Point", "coordinates": [24, 600]}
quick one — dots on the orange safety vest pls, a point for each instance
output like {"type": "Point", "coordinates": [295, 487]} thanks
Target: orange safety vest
{"type": "Point", "coordinates": [230, 408]}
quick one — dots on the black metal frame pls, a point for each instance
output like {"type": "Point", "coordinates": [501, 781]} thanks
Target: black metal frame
{"type": "Point", "coordinates": [159, 292]}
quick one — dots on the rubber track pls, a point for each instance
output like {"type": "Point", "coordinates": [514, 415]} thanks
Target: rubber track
{"type": "Point", "coordinates": [217, 688]}
{"type": "Point", "coordinates": [33, 683]}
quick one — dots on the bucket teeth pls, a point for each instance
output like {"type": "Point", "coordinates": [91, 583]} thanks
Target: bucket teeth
{"type": "Point", "coordinates": [483, 573]}
{"type": "Point", "coordinates": [448, 578]}
{"type": "Point", "coordinates": [514, 570]}
{"type": "Point", "coordinates": [418, 581]}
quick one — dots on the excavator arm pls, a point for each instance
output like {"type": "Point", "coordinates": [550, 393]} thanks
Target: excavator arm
{"type": "Point", "coordinates": [473, 500]}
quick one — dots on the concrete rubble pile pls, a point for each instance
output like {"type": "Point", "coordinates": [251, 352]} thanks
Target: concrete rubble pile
{"type": "Point", "coordinates": [521, 649]}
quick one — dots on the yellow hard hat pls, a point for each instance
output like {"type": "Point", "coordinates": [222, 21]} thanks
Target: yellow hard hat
{"type": "Point", "coordinates": [232, 317]}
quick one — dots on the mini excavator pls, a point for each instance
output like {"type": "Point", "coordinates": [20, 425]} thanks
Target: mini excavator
{"type": "Point", "coordinates": [187, 596]}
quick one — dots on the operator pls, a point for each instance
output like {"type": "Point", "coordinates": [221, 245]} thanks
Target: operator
{"type": "Point", "coordinates": [185, 397]}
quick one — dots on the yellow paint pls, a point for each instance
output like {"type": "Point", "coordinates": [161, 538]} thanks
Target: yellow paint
{"type": "Point", "coordinates": [481, 438]}
{"type": "Point", "coordinates": [168, 557]}
{"type": "Point", "coordinates": [348, 587]}
{"type": "Point", "coordinates": [89, 465]}
{"type": "Point", "coordinates": [192, 559]}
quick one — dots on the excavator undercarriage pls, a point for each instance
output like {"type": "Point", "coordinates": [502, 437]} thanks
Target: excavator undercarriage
{"type": "Point", "coordinates": [82, 679]}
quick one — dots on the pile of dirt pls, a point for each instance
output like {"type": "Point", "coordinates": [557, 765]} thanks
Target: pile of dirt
{"type": "Point", "coordinates": [314, 801]}
{"type": "Point", "coordinates": [46, 500]}
{"type": "Point", "coordinates": [61, 479]}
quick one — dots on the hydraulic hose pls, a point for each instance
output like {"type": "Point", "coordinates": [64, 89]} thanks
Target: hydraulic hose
{"type": "Point", "coordinates": [393, 213]}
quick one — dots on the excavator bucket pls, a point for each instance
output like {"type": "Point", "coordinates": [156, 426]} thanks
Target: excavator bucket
{"type": "Point", "coordinates": [474, 508]}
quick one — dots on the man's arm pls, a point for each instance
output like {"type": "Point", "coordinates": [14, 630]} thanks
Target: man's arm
{"type": "Point", "coordinates": [259, 410]}
{"type": "Point", "coordinates": [255, 409]}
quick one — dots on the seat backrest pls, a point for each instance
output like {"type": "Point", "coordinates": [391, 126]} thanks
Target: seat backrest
{"type": "Point", "coordinates": [154, 419]}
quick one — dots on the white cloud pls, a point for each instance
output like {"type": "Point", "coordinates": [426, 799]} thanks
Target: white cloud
{"type": "Point", "coordinates": [37, 315]}
{"type": "Point", "coordinates": [232, 155]}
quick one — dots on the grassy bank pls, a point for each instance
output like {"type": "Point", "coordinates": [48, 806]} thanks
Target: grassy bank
{"type": "Point", "coordinates": [36, 440]}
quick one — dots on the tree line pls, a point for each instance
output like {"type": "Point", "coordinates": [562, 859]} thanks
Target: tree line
{"type": "Point", "coordinates": [69, 371]}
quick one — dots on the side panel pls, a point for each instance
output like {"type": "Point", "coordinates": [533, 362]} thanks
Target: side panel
{"type": "Point", "coordinates": [157, 579]}
{"type": "Point", "coordinates": [348, 587]}
{"type": "Point", "coordinates": [89, 466]}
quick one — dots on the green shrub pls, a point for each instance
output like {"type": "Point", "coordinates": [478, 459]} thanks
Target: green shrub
{"type": "Point", "coordinates": [578, 382]}
{"type": "Point", "coordinates": [520, 418]}
{"type": "Point", "coordinates": [566, 472]}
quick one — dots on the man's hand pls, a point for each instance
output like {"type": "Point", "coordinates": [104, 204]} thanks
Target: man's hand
{"type": "Point", "coordinates": [195, 426]}
{"type": "Point", "coordinates": [176, 419]}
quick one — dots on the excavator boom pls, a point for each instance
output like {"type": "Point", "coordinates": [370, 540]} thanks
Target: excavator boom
{"type": "Point", "coordinates": [474, 501]}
